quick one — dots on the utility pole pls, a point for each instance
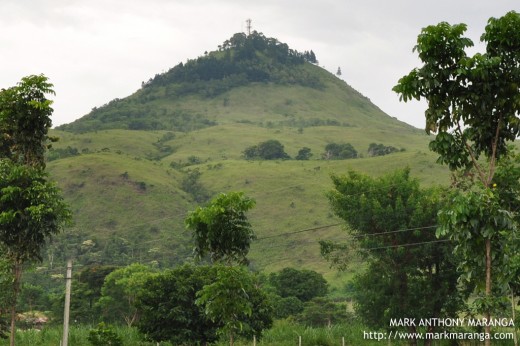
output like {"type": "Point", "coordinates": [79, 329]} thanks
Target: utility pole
{"type": "Point", "coordinates": [248, 26]}
{"type": "Point", "coordinates": [68, 285]}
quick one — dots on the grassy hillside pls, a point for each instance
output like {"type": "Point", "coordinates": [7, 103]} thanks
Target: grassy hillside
{"type": "Point", "coordinates": [131, 189]}
{"type": "Point", "coordinates": [119, 195]}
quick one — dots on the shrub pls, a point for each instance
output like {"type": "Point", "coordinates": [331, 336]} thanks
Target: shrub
{"type": "Point", "coordinates": [335, 151]}
{"type": "Point", "coordinates": [380, 149]}
{"type": "Point", "coordinates": [104, 336]}
{"type": "Point", "coordinates": [304, 154]}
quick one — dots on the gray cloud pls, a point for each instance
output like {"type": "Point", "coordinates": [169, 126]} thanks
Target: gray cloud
{"type": "Point", "coordinates": [97, 50]}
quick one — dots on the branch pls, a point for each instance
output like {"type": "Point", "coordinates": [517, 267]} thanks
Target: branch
{"type": "Point", "coordinates": [473, 159]}
{"type": "Point", "coordinates": [492, 159]}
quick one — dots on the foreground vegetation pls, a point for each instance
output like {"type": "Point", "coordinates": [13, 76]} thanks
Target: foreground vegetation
{"type": "Point", "coordinates": [283, 333]}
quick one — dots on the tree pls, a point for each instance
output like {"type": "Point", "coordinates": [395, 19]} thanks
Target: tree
{"type": "Point", "coordinates": [168, 309]}
{"type": "Point", "coordinates": [31, 208]}
{"type": "Point", "coordinates": [391, 220]}
{"type": "Point", "coordinates": [303, 284]}
{"type": "Point", "coordinates": [120, 290]}
{"type": "Point", "coordinates": [380, 149]}
{"type": "Point", "coordinates": [25, 120]}
{"type": "Point", "coordinates": [338, 72]}
{"type": "Point", "coordinates": [171, 309]}
{"type": "Point", "coordinates": [33, 297]}
{"type": "Point", "coordinates": [335, 151]}
{"type": "Point", "coordinates": [221, 230]}
{"type": "Point", "coordinates": [473, 107]}
{"type": "Point", "coordinates": [237, 302]}
{"type": "Point", "coordinates": [304, 154]}
{"type": "Point", "coordinates": [268, 150]}
{"type": "Point", "coordinates": [86, 289]}
{"type": "Point", "coordinates": [285, 307]}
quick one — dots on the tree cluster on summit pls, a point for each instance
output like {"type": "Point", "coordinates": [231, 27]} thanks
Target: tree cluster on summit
{"type": "Point", "coordinates": [240, 60]}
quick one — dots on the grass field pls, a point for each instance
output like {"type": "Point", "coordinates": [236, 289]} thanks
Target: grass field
{"type": "Point", "coordinates": [116, 189]}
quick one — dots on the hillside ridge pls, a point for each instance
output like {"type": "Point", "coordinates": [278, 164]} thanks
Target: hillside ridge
{"type": "Point", "coordinates": [243, 64]}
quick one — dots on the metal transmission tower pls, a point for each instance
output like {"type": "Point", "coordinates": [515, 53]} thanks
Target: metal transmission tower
{"type": "Point", "coordinates": [248, 26]}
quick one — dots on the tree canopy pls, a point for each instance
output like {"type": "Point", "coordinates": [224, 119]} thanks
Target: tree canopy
{"type": "Point", "coordinates": [168, 309]}
{"type": "Point", "coordinates": [31, 210]}
{"type": "Point", "coordinates": [25, 120]}
{"type": "Point", "coordinates": [473, 101]}
{"type": "Point", "coordinates": [392, 221]}
{"type": "Point", "coordinates": [221, 229]}
{"type": "Point", "coordinates": [119, 292]}
{"type": "Point", "coordinates": [303, 284]}
{"type": "Point", "coordinates": [195, 304]}
{"type": "Point", "coordinates": [236, 301]}
{"type": "Point", "coordinates": [268, 150]}
{"type": "Point", "coordinates": [339, 151]}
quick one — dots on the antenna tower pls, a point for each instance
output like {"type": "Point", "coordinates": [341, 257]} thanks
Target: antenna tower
{"type": "Point", "coordinates": [248, 26]}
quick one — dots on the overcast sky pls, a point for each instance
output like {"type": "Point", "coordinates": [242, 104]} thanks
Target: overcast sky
{"type": "Point", "coordinates": [94, 51]}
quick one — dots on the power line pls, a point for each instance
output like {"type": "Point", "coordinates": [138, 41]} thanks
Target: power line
{"type": "Point", "coordinates": [408, 244]}
{"type": "Point", "coordinates": [300, 231]}
{"type": "Point", "coordinates": [373, 248]}
{"type": "Point", "coordinates": [352, 237]}
{"type": "Point", "coordinates": [355, 236]}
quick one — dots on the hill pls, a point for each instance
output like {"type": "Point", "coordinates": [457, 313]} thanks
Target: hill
{"type": "Point", "coordinates": [133, 168]}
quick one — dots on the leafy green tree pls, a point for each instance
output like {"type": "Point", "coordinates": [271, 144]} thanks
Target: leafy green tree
{"type": "Point", "coordinates": [221, 229]}
{"type": "Point", "coordinates": [335, 151]}
{"type": "Point", "coordinates": [268, 150]}
{"type": "Point", "coordinates": [411, 273]}
{"type": "Point", "coordinates": [168, 309]}
{"type": "Point", "coordinates": [119, 292]}
{"type": "Point", "coordinates": [230, 300]}
{"type": "Point", "coordinates": [473, 107]}
{"type": "Point", "coordinates": [285, 307]}
{"type": "Point", "coordinates": [86, 291]}
{"type": "Point", "coordinates": [33, 297]}
{"type": "Point", "coordinates": [303, 284]}
{"type": "Point", "coordinates": [304, 154]}
{"type": "Point", "coordinates": [25, 120]}
{"type": "Point", "coordinates": [375, 149]}
{"type": "Point", "coordinates": [31, 208]}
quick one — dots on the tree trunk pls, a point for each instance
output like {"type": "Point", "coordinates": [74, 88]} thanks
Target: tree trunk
{"type": "Point", "coordinates": [487, 314]}
{"type": "Point", "coordinates": [17, 271]}
{"type": "Point", "coordinates": [429, 342]}
{"type": "Point", "coordinates": [412, 330]}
